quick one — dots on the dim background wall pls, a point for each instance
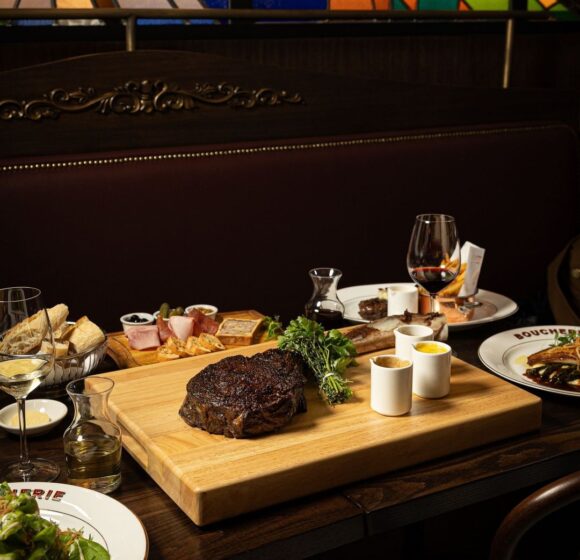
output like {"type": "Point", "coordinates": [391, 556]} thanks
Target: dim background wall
{"type": "Point", "coordinates": [546, 54]}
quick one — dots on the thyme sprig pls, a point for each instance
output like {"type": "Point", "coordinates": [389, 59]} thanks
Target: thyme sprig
{"type": "Point", "coordinates": [327, 355]}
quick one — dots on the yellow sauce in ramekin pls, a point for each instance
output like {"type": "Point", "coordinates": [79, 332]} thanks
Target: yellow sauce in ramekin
{"type": "Point", "coordinates": [430, 348]}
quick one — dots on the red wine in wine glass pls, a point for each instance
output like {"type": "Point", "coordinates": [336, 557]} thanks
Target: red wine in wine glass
{"type": "Point", "coordinates": [434, 258]}
{"type": "Point", "coordinates": [433, 278]}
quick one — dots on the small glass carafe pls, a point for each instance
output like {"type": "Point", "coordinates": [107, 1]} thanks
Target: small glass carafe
{"type": "Point", "coordinates": [324, 305]}
{"type": "Point", "coordinates": [92, 443]}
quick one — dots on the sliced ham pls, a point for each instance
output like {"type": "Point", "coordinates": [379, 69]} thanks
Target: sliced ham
{"type": "Point", "coordinates": [209, 326]}
{"type": "Point", "coordinates": [164, 330]}
{"type": "Point", "coordinates": [202, 323]}
{"type": "Point", "coordinates": [143, 337]}
{"type": "Point", "coordinates": [182, 327]}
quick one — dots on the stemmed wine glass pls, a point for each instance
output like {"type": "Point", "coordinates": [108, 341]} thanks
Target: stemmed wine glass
{"type": "Point", "coordinates": [26, 358]}
{"type": "Point", "coordinates": [434, 258]}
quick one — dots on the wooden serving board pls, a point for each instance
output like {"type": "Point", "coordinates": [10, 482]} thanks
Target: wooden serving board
{"type": "Point", "coordinates": [211, 477]}
{"type": "Point", "coordinates": [126, 357]}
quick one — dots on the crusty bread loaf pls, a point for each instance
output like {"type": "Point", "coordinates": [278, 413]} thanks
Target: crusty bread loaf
{"type": "Point", "coordinates": [86, 335]}
{"type": "Point", "coordinates": [60, 349]}
{"type": "Point", "coordinates": [64, 332]}
{"type": "Point", "coordinates": [57, 316]}
{"type": "Point", "coordinates": [380, 334]}
{"type": "Point", "coordinates": [29, 333]}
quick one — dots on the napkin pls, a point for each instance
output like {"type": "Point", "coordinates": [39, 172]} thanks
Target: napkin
{"type": "Point", "coordinates": [472, 255]}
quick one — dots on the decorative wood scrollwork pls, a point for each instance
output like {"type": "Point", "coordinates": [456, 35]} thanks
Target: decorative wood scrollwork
{"type": "Point", "coordinates": [145, 97]}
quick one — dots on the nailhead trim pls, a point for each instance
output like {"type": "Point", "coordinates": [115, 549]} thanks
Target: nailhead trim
{"type": "Point", "coordinates": [265, 149]}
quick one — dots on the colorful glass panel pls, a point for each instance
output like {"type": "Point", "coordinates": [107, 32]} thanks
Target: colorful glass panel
{"type": "Point", "coordinates": [541, 5]}
{"type": "Point", "coordinates": [553, 6]}
{"type": "Point", "coordinates": [289, 4]}
{"type": "Point", "coordinates": [489, 4]}
{"type": "Point", "coordinates": [81, 4]}
{"type": "Point", "coordinates": [359, 4]}
{"type": "Point", "coordinates": [437, 4]}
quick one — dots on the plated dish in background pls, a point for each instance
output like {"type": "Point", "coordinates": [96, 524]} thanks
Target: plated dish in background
{"type": "Point", "coordinates": [486, 306]}
{"type": "Point", "coordinates": [98, 516]}
{"type": "Point", "coordinates": [512, 353]}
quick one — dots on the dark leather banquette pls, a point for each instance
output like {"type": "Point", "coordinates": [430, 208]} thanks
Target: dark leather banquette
{"type": "Point", "coordinates": [115, 200]}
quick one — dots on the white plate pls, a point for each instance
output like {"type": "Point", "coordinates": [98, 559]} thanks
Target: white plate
{"type": "Point", "coordinates": [55, 410]}
{"type": "Point", "coordinates": [506, 353]}
{"type": "Point", "coordinates": [107, 521]}
{"type": "Point", "coordinates": [500, 306]}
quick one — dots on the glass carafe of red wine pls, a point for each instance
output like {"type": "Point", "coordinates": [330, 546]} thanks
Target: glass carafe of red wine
{"type": "Point", "coordinates": [434, 257]}
{"type": "Point", "coordinates": [324, 305]}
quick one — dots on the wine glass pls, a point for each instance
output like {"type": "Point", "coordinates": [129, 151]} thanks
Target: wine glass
{"type": "Point", "coordinates": [26, 358]}
{"type": "Point", "coordinates": [434, 258]}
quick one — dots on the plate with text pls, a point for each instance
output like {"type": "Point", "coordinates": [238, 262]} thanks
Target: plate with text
{"type": "Point", "coordinates": [98, 516]}
{"type": "Point", "coordinates": [506, 353]}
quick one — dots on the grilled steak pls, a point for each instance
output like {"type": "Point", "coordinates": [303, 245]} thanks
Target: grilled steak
{"type": "Point", "coordinates": [242, 397]}
{"type": "Point", "coordinates": [373, 309]}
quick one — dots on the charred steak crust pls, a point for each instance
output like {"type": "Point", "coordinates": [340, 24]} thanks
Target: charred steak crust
{"type": "Point", "coordinates": [372, 309]}
{"type": "Point", "coordinates": [242, 397]}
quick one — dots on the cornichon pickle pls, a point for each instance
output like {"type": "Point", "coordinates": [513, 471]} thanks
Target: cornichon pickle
{"type": "Point", "coordinates": [164, 310]}
{"type": "Point", "coordinates": [176, 311]}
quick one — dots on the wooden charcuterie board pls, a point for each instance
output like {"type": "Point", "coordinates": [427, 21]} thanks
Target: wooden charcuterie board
{"type": "Point", "coordinates": [211, 477]}
{"type": "Point", "coordinates": [126, 357]}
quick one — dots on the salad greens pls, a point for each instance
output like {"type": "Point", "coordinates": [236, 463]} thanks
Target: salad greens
{"type": "Point", "coordinates": [561, 340]}
{"type": "Point", "coordinates": [24, 535]}
{"type": "Point", "coordinates": [327, 354]}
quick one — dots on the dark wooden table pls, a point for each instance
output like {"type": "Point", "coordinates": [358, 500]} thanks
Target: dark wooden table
{"type": "Point", "coordinates": [401, 513]}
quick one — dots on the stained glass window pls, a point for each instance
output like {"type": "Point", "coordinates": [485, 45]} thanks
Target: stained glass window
{"type": "Point", "coordinates": [336, 5]}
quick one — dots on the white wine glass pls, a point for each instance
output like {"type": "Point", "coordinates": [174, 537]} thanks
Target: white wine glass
{"type": "Point", "coordinates": [26, 358]}
{"type": "Point", "coordinates": [434, 257]}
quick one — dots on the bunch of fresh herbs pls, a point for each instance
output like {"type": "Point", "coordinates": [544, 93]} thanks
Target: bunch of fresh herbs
{"type": "Point", "coordinates": [327, 355]}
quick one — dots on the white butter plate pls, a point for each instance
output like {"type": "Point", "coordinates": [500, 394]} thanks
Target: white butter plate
{"type": "Point", "coordinates": [100, 517]}
{"type": "Point", "coordinates": [506, 353]}
{"type": "Point", "coordinates": [55, 411]}
{"type": "Point", "coordinates": [494, 306]}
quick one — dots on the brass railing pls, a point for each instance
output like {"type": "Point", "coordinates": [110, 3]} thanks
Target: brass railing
{"type": "Point", "coordinates": [129, 17]}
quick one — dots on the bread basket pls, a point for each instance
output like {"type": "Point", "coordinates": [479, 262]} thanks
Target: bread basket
{"type": "Point", "coordinates": [70, 367]}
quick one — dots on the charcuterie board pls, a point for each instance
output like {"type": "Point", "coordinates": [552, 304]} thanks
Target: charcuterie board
{"type": "Point", "coordinates": [212, 477]}
{"type": "Point", "coordinates": [126, 357]}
